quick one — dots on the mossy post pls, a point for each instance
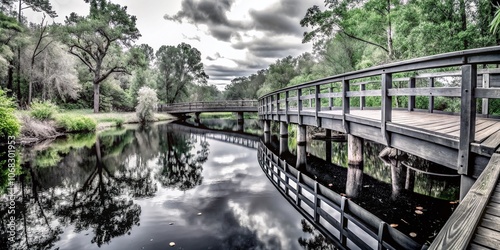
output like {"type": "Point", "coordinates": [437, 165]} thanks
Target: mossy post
{"type": "Point", "coordinates": [301, 147]}
{"type": "Point", "coordinates": [283, 138]}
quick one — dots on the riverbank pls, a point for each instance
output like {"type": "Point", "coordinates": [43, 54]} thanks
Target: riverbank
{"type": "Point", "coordinates": [33, 132]}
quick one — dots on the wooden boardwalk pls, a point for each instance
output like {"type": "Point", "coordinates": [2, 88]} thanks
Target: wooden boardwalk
{"type": "Point", "coordinates": [486, 136]}
{"type": "Point", "coordinates": [467, 142]}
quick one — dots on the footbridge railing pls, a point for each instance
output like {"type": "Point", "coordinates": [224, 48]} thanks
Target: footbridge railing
{"type": "Point", "coordinates": [343, 221]}
{"type": "Point", "coordinates": [331, 102]}
{"type": "Point", "coordinates": [216, 106]}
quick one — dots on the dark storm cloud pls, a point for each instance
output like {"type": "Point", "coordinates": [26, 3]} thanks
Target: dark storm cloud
{"type": "Point", "coordinates": [273, 47]}
{"type": "Point", "coordinates": [209, 12]}
{"type": "Point", "coordinates": [224, 73]}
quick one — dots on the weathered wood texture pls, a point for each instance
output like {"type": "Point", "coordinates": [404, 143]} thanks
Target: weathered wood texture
{"type": "Point", "coordinates": [459, 229]}
{"type": "Point", "coordinates": [221, 106]}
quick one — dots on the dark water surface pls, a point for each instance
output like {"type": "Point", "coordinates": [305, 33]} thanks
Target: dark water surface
{"type": "Point", "coordinates": [144, 188]}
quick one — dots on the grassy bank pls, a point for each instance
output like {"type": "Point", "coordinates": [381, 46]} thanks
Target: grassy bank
{"type": "Point", "coordinates": [34, 130]}
{"type": "Point", "coordinates": [112, 119]}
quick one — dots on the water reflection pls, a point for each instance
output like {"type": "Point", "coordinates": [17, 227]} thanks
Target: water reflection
{"type": "Point", "coordinates": [145, 187]}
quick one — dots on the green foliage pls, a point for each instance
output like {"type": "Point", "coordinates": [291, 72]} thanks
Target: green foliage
{"type": "Point", "coordinates": [97, 39]}
{"type": "Point", "coordinates": [147, 104]}
{"type": "Point", "coordinates": [43, 110]}
{"type": "Point", "coordinates": [179, 67]}
{"type": "Point", "coordinates": [9, 124]}
{"type": "Point", "coordinates": [78, 123]}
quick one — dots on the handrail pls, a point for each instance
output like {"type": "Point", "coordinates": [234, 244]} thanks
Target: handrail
{"type": "Point", "coordinates": [323, 206]}
{"type": "Point", "coordinates": [473, 56]}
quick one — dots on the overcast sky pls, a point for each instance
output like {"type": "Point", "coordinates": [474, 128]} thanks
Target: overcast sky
{"type": "Point", "coordinates": [235, 37]}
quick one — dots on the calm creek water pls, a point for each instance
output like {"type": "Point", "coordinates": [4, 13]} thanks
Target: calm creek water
{"type": "Point", "coordinates": [143, 188]}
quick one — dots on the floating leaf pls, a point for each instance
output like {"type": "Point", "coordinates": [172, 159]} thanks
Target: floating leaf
{"type": "Point", "coordinates": [394, 225]}
{"type": "Point", "coordinates": [199, 214]}
{"type": "Point", "coordinates": [412, 234]}
{"type": "Point", "coordinates": [419, 208]}
{"type": "Point", "coordinates": [172, 244]}
{"type": "Point", "coordinates": [330, 184]}
{"type": "Point", "coordinates": [418, 212]}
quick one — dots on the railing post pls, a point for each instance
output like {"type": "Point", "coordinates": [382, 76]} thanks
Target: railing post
{"type": "Point", "coordinates": [277, 104]}
{"type": "Point", "coordinates": [317, 105]}
{"type": "Point", "coordinates": [467, 120]}
{"type": "Point", "coordinates": [330, 100]}
{"type": "Point", "coordinates": [299, 105]}
{"type": "Point", "coordinates": [386, 106]}
{"type": "Point", "coordinates": [486, 85]}
{"type": "Point", "coordinates": [362, 99]}
{"type": "Point", "coordinates": [411, 98]}
{"type": "Point", "coordinates": [316, 201]}
{"type": "Point", "coordinates": [345, 104]}
{"type": "Point", "coordinates": [431, 98]}
{"type": "Point", "coordinates": [381, 230]}
{"type": "Point", "coordinates": [272, 104]}
{"type": "Point", "coordinates": [286, 106]}
{"type": "Point", "coordinates": [343, 221]}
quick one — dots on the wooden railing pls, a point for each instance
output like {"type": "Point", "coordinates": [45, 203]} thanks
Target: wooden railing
{"type": "Point", "coordinates": [332, 214]}
{"type": "Point", "coordinates": [217, 105]}
{"type": "Point", "coordinates": [316, 96]}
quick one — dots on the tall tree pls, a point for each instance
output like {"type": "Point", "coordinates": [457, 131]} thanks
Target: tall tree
{"type": "Point", "coordinates": [97, 41]}
{"type": "Point", "coordinates": [179, 66]}
{"type": "Point", "coordinates": [365, 21]}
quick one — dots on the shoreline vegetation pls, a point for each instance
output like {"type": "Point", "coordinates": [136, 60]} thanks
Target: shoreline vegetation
{"type": "Point", "coordinates": [35, 131]}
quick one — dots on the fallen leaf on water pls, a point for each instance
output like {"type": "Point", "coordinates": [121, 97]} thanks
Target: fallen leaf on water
{"type": "Point", "coordinates": [199, 214]}
{"type": "Point", "coordinates": [418, 212]}
{"type": "Point", "coordinates": [172, 244]}
{"type": "Point", "coordinates": [171, 223]}
{"type": "Point", "coordinates": [419, 208]}
{"type": "Point", "coordinates": [330, 185]}
{"type": "Point", "coordinates": [394, 225]}
{"type": "Point", "coordinates": [412, 234]}
{"type": "Point", "coordinates": [405, 221]}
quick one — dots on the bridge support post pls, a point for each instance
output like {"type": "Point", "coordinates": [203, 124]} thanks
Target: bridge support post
{"type": "Point", "coordinates": [410, 179]}
{"type": "Point", "coordinates": [197, 118]}
{"type": "Point", "coordinates": [283, 138]}
{"type": "Point", "coordinates": [328, 146]}
{"type": "Point", "coordinates": [240, 122]}
{"type": "Point", "coordinates": [267, 131]}
{"type": "Point", "coordinates": [301, 147]}
{"type": "Point", "coordinates": [354, 182]}
{"type": "Point", "coordinates": [355, 168]}
{"type": "Point", "coordinates": [354, 150]}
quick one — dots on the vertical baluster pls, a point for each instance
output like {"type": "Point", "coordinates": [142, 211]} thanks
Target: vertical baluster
{"type": "Point", "coordinates": [362, 99]}
{"type": "Point", "coordinates": [411, 98]}
{"type": "Point", "coordinates": [287, 94]}
{"type": "Point", "coordinates": [299, 105]}
{"type": "Point", "coordinates": [386, 106]}
{"type": "Point", "coordinates": [330, 100]}
{"type": "Point", "coordinates": [431, 98]}
{"type": "Point", "coordinates": [486, 85]}
{"type": "Point", "coordinates": [317, 105]}
{"type": "Point", "coordinates": [345, 104]}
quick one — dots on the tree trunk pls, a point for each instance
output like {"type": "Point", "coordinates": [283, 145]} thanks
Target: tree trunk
{"type": "Point", "coordinates": [96, 97]}
{"type": "Point", "coordinates": [463, 17]}
{"type": "Point", "coordinates": [10, 79]}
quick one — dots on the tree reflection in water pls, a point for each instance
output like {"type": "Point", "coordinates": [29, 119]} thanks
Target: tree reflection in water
{"type": "Point", "coordinates": [180, 168]}
{"type": "Point", "coordinates": [317, 240]}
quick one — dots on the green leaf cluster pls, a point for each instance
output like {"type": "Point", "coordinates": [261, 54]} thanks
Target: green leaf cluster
{"type": "Point", "coordinates": [9, 124]}
{"type": "Point", "coordinates": [77, 123]}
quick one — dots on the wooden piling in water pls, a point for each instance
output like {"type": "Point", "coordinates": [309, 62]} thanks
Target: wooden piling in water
{"type": "Point", "coordinates": [301, 146]}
